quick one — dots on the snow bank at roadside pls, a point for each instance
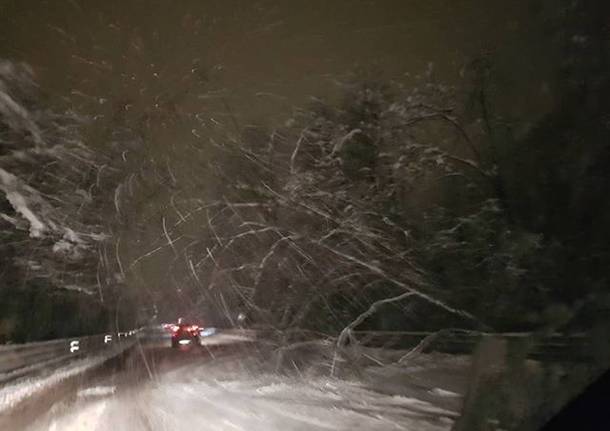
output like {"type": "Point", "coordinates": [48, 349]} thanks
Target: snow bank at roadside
{"type": "Point", "coordinates": [13, 394]}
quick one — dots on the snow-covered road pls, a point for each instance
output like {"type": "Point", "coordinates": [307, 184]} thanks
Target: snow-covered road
{"type": "Point", "coordinates": [220, 398]}
{"type": "Point", "coordinates": [224, 390]}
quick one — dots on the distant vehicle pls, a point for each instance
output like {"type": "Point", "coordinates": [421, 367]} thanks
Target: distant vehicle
{"type": "Point", "coordinates": [184, 334]}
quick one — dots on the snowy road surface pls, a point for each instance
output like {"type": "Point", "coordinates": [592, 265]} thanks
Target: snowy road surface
{"type": "Point", "coordinates": [218, 388]}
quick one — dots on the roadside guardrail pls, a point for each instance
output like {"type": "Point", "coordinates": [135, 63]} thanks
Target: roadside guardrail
{"type": "Point", "coordinates": [21, 360]}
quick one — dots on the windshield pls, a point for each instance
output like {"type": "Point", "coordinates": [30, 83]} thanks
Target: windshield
{"type": "Point", "coordinates": [302, 215]}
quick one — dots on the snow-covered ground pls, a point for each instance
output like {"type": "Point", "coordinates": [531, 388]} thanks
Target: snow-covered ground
{"type": "Point", "coordinates": [16, 392]}
{"type": "Point", "coordinates": [228, 394]}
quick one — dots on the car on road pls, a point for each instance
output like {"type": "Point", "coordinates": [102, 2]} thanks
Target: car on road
{"type": "Point", "coordinates": [184, 334]}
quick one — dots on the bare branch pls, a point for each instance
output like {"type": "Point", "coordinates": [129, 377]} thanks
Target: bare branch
{"type": "Point", "coordinates": [296, 151]}
{"type": "Point", "coordinates": [376, 270]}
{"type": "Point", "coordinates": [346, 332]}
{"type": "Point", "coordinates": [429, 340]}
{"type": "Point", "coordinates": [169, 240]}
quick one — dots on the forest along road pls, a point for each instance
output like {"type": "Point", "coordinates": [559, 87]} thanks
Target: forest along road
{"type": "Point", "coordinates": [222, 386]}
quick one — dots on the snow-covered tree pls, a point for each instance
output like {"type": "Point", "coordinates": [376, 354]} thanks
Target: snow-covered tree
{"type": "Point", "coordinates": [51, 229]}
